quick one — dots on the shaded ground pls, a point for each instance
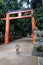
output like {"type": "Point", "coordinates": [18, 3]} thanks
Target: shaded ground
{"type": "Point", "coordinates": [8, 54]}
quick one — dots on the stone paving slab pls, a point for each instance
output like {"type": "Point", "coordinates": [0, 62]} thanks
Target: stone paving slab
{"type": "Point", "coordinates": [8, 55]}
{"type": "Point", "coordinates": [19, 60]}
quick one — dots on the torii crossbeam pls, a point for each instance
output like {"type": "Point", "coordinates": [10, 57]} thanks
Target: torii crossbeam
{"type": "Point", "coordinates": [19, 15]}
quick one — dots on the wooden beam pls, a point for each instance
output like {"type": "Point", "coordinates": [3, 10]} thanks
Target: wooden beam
{"type": "Point", "coordinates": [20, 11]}
{"type": "Point", "coordinates": [19, 14]}
{"type": "Point", "coordinates": [17, 17]}
{"type": "Point", "coordinates": [20, 17]}
{"type": "Point", "coordinates": [3, 19]}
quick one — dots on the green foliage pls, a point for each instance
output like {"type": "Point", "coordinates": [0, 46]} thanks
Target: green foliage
{"type": "Point", "coordinates": [1, 8]}
{"type": "Point", "coordinates": [2, 26]}
{"type": "Point", "coordinates": [38, 15]}
{"type": "Point", "coordinates": [39, 49]}
{"type": "Point", "coordinates": [21, 27]}
{"type": "Point", "coordinates": [9, 5]}
{"type": "Point", "coordinates": [34, 3]}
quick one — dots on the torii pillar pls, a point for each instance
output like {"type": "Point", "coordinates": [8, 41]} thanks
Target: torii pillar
{"type": "Point", "coordinates": [7, 30]}
{"type": "Point", "coordinates": [33, 26]}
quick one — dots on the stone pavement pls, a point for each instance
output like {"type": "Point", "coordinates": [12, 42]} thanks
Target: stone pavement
{"type": "Point", "coordinates": [40, 60]}
{"type": "Point", "coordinates": [19, 60]}
{"type": "Point", "coordinates": [8, 54]}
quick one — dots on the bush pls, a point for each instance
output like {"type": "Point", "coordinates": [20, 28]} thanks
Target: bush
{"type": "Point", "coordinates": [39, 49]}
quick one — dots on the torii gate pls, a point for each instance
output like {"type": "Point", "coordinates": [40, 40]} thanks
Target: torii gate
{"type": "Point", "coordinates": [19, 12]}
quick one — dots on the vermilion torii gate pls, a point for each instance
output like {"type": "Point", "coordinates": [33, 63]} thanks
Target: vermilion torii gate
{"type": "Point", "coordinates": [19, 12]}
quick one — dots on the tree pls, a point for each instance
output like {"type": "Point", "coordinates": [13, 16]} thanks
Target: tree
{"type": "Point", "coordinates": [8, 5]}
{"type": "Point", "coordinates": [35, 2]}
{"type": "Point", "coordinates": [22, 26]}
{"type": "Point", "coordinates": [38, 14]}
